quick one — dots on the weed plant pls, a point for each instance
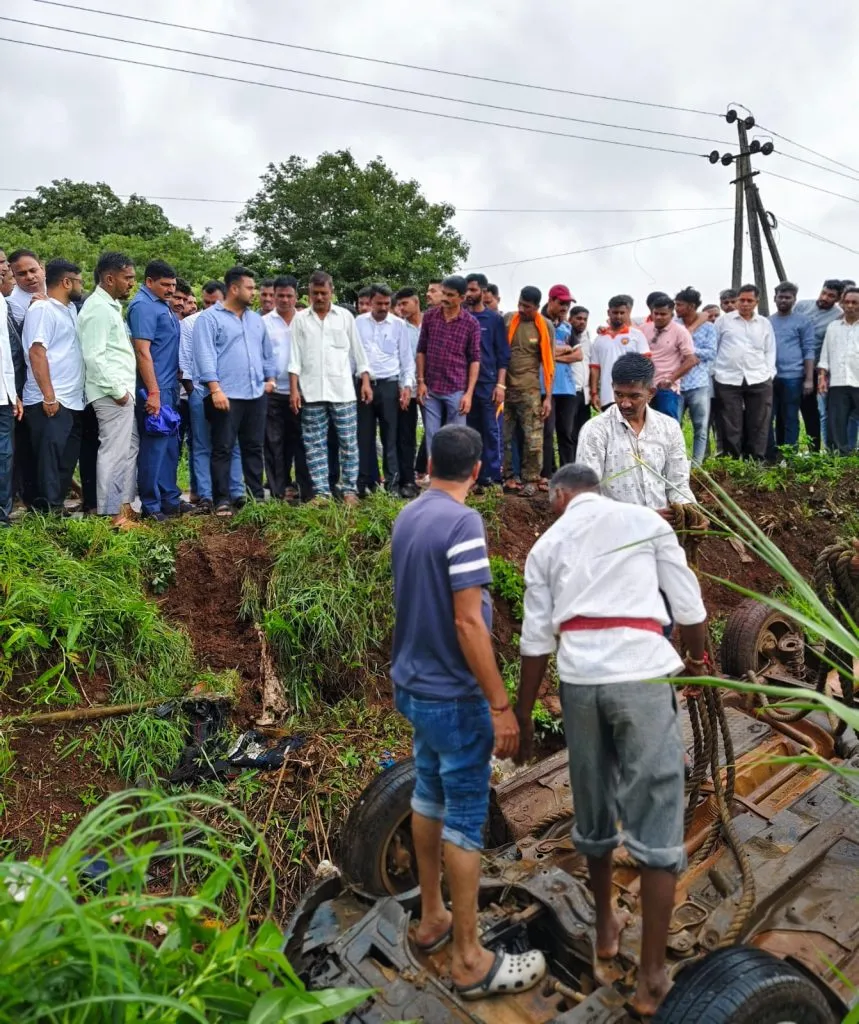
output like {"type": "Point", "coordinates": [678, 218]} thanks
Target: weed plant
{"type": "Point", "coordinates": [84, 939]}
{"type": "Point", "coordinates": [509, 583]}
{"type": "Point", "coordinates": [804, 468]}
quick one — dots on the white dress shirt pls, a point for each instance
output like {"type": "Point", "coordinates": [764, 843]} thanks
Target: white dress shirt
{"type": "Point", "coordinates": [323, 354]}
{"type": "Point", "coordinates": [186, 348]}
{"type": "Point", "coordinates": [280, 335]}
{"type": "Point", "coordinates": [650, 469]}
{"type": "Point", "coordinates": [7, 367]}
{"type": "Point", "coordinates": [840, 354]}
{"type": "Point", "coordinates": [388, 348]}
{"type": "Point", "coordinates": [582, 368]}
{"type": "Point", "coordinates": [606, 559]}
{"type": "Point", "coordinates": [745, 350]}
{"type": "Point", "coordinates": [19, 302]}
{"type": "Point", "coordinates": [54, 325]}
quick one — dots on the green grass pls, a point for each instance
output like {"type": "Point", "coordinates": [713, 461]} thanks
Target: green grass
{"type": "Point", "coordinates": [802, 468]}
{"type": "Point", "coordinates": [328, 608]}
{"type": "Point", "coordinates": [76, 953]}
{"type": "Point", "coordinates": [509, 583]}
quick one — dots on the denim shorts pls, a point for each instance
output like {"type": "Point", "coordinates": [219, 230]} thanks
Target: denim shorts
{"type": "Point", "coordinates": [453, 745]}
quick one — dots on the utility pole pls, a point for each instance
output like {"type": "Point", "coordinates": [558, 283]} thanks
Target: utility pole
{"type": "Point", "coordinates": [747, 193]}
{"type": "Point", "coordinates": [746, 176]}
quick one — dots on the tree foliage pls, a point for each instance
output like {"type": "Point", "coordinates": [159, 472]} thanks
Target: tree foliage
{"type": "Point", "coordinates": [97, 208]}
{"type": "Point", "coordinates": [361, 224]}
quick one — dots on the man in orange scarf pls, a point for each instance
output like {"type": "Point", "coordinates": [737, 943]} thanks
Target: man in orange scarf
{"type": "Point", "coordinates": [532, 344]}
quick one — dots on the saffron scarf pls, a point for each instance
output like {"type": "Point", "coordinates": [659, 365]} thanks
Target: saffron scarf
{"type": "Point", "coordinates": [547, 351]}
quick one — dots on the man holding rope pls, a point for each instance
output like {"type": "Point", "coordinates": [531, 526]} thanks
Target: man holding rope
{"type": "Point", "coordinates": [595, 579]}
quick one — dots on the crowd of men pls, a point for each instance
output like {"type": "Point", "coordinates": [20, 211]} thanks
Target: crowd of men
{"type": "Point", "coordinates": [293, 397]}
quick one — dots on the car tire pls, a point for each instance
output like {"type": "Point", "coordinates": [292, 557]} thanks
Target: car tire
{"type": "Point", "coordinates": [740, 641]}
{"type": "Point", "coordinates": [744, 985]}
{"type": "Point", "coordinates": [376, 852]}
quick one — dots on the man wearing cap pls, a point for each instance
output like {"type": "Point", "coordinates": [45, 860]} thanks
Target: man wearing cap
{"type": "Point", "coordinates": [561, 418]}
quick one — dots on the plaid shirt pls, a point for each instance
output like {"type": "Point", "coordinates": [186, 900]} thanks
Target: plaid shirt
{"type": "Point", "coordinates": [450, 346]}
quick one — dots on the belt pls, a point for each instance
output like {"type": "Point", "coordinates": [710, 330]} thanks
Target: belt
{"type": "Point", "coordinates": [582, 622]}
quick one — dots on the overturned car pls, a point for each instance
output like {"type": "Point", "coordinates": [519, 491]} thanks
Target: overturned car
{"type": "Point", "coordinates": [765, 928]}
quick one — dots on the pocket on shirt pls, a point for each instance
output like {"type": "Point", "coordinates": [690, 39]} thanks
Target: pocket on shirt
{"type": "Point", "coordinates": [339, 340]}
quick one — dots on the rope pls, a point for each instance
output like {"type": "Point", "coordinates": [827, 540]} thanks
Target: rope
{"type": "Point", "coordinates": [709, 723]}
{"type": "Point", "coordinates": [836, 587]}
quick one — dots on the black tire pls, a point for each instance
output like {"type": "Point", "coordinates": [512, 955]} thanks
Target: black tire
{"type": "Point", "coordinates": [742, 636]}
{"type": "Point", "coordinates": [376, 843]}
{"type": "Point", "coordinates": [744, 985]}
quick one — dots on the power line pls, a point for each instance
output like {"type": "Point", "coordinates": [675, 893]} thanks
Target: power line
{"type": "Point", "coordinates": [363, 85]}
{"type": "Point", "coordinates": [351, 99]}
{"type": "Point", "coordinates": [820, 167]}
{"type": "Point", "coordinates": [459, 209]}
{"type": "Point", "coordinates": [813, 234]}
{"type": "Point", "coordinates": [232, 36]}
{"type": "Point", "coordinates": [816, 188]}
{"type": "Point", "coordinates": [597, 248]}
{"type": "Point", "coordinates": [807, 149]}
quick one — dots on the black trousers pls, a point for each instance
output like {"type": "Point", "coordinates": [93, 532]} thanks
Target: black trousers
{"type": "Point", "coordinates": [284, 448]}
{"type": "Point", "coordinates": [580, 418]}
{"type": "Point", "coordinates": [384, 412]}
{"type": "Point", "coordinates": [407, 439]}
{"type": "Point", "coordinates": [55, 442]}
{"type": "Point", "coordinates": [842, 402]}
{"type": "Point", "coordinates": [811, 418]}
{"type": "Point", "coordinates": [245, 421]}
{"type": "Point", "coordinates": [23, 465]}
{"type": "Point", "coordinates": [88, 458]}
{"type": "Point", "coordinates": [745, 411]}
{"type": "Point", "coordinates": [561, 422]}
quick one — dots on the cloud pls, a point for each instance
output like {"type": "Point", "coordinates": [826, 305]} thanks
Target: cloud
{"type": "Point", "coordinates": [161, 133]}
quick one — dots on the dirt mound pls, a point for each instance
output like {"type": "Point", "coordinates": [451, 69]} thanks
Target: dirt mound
{"type": "Point", "coordinates": [207, 597]}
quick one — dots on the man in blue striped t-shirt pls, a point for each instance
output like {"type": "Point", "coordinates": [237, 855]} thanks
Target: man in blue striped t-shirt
{"type": "Point", "coordinates": [448, 686]}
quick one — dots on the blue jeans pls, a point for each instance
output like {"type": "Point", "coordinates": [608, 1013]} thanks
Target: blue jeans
{"type": "Point", "coordinates": [668, 402]}
{"type": "Point", "coordinates": [697, 401]}
{"type": "Point", "coordinates": [787, 397]}
{"type": "Point", "coordinates": [434, 406]}
{"type": "Point", "coordinates": [201, 454]}
{"type": "Point", "coordinates": [452, 747]}
{"type": "Point", "coordinates": [7, 432]}
{"type": "Point", "coordinates": [484, 420]}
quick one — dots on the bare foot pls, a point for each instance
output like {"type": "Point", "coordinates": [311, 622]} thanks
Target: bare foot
{"type": "Point", "coordinates": [608, 939]}
{"type": "Point", "coordinates": [430, 930]}
{"type": "Point", "coordinates": [650, 993]}
{"type": "Point", "coordinates": [472, 969]}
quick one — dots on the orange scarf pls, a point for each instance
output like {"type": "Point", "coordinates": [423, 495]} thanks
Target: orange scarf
{"type": "Point", "coordinates": [547, 351]}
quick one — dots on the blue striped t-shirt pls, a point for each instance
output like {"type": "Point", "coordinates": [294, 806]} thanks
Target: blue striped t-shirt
{"type": "Point", "coordinates": [438, 547]}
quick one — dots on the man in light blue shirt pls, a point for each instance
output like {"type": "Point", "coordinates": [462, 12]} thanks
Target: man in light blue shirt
{"type": "Point", "coordinates": [696, 386]}
{"type": "Point", "coordinates": [234, 364]}
{"type": "Point", "coordinates": [795, 355]}
{"type": "Point", "coordinates": [821, 311]}
{"type": "Point", "coordinates": [392, 378]}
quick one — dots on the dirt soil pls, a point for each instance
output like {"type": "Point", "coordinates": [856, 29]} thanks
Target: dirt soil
{"type": "Point", "coordinates": [206, 599]}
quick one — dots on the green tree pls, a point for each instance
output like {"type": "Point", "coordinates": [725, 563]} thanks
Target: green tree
{"type": "Point", "coordinates": [361, 224]}
{"type": "Point", "coordinates": [97, 208]}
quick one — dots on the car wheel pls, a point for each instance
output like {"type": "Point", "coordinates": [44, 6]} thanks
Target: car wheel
{"type": "Point", "coordinates": [754, 636]}
{"type": "Point", "coordinates": [377, 853]}
{"type": "Point", "coordinates": [744, 985]}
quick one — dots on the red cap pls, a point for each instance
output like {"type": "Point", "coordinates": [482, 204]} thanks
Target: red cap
{"type": "Point", "coordinates": [560, 292]}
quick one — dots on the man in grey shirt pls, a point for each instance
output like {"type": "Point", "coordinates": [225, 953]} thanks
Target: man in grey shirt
{"type": "Point", "coordinates": [821, 311]}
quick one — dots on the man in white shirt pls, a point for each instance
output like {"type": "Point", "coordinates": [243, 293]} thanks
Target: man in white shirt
{"type": "Point", "coordinates": [54, 392]}
{"type": "Point", "coordinates": [638, 454]}
{"type": "Point", "coordinates": [29, 282]}
{"type": "Point", "coordinates": [620, 339]}
{"type": "Point", "coordinates": [408, 307]}
{"type": "Point", "coordinates": [326, 353]}
{"type": "Point", "coordinates": [10, 411]}
{"type": "Point", "coordinates": [283, 442]}
{"type": "Point", "coordinates": [838, 372]}
{"type": "Point", "coordinates": [392, 379]}
{"type": "Point", "coordinates": [594, 580]}
{"type": "Point", "coordinates": [743, 375]}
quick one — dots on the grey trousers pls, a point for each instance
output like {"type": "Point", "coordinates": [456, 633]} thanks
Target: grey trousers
{"type": "Point", "coordinates": [116, 468]}
{"type": "Point", "coordinates": [626, 765]}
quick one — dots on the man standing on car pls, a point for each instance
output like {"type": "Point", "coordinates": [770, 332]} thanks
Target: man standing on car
{"type": "Point", "coordinates": [604, 600]}
{"type": "Point", "coordinates": [447, 684]}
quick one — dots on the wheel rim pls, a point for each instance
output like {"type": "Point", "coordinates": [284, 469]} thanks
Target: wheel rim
{"type": "Point", "coordinates": [779, 641]}
{"type": "Point", "coordinates": [397, 862]}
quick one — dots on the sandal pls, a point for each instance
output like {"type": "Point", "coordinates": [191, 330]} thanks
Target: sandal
{"type": "Point", "coordinates": [543, 484]}
{"type": "Point", "coordinates": [223, 511]}
{"type": "Point", "coordinates": [438, 944]}
{"type": "Point", "coordinates": [511, 972]}
{"type": "Point", "coordinates": [528, 491]}
{"type": "Point", "coordinates": [512, 486]}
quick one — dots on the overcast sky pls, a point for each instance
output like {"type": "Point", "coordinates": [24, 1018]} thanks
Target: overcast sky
{"type": "Point", "coordinates": [160, 133]}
